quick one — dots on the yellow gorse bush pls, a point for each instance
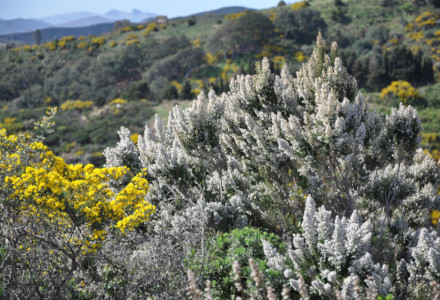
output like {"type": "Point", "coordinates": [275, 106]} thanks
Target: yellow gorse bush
{"type": "Point", "coordinates": [132, 36]}
{"type": "Point", "coordinates": [402, 89]}
{"type": "Point", "coordinates": [68, 38]}
{"type": "Point", "coordinates": [210, 59]}
{"type": "Point", "coordinates": [82, 45]}
{"type": "Point", "coordinates": [235, 16]}
{"type": "Point", "coordinates": [177, 85]}
{"type": "Point", "coordinates": [279, 61]}
{"type": "Point", "coordinates": [134, 138]}
{"type": "Point", "coordinates": [150, 27]}
{"type": "Point", "coordinates": [196, 43]}
{"type": "Point", "coordinates": [76, 104]}
{"type": "Point", "coordinates": [417, 36]}
{"type": "Point", "coordinates": [132, 42]}
{"type": "Point", "coordinates": [435, 217]}
{"type": "Point", "coordinates": [427, 18]}
{"type": "Point", "coordinates": [299, 5]}
{"type": "Point", "coordinates": [117, 101]}
{"type": "Point", "coordinates": [79, 204]}
{"type": "Point", "coordinates": [51, 45]}
{"type": "Point", "coordinates": [11, 124]}
{"type": "Point", "coordinates": [419, 31]}
{"type": "Point", "coordinates": [98, 41]}
{"type": "Point", "coordinates": [300, 56]}
{"type": "Point", "coordinates": [62, 44]}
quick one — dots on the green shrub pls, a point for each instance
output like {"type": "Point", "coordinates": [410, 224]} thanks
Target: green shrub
{"type": "Point", "coordinates": [237, 245]}
{"type": "Point", "coordinates": [169, 92]}
{"type": "Point", "coordinates": [186, 92]}
{"type": "Point", "coordinates": [300, 25]}
{"type": "Point", "coordinates": [136, 91]}
{"type": "Point", "coordinates": [191, 21]}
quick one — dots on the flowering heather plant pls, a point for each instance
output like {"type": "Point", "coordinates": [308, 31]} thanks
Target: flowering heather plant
{"type": "Point", "coordinates": [249, 157]}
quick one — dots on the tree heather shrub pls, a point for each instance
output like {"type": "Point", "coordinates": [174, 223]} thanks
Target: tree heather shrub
{"type": "Point", "coordinates": [252, 155]}
{"type": "Point", "coordinates": [331, 257]}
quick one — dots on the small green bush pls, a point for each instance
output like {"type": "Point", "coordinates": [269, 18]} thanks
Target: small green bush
{"type": "Point", "coordinates": [237, 245]}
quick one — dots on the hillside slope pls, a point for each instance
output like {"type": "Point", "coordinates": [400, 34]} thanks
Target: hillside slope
{"type": "Point", "coordinates": [196, 53]}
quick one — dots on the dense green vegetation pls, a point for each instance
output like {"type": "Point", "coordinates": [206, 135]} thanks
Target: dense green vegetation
{"type": "Point", "coordinates": [189, 55]}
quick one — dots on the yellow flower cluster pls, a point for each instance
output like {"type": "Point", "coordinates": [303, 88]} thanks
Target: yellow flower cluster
{"type": "Point", "coordinates": [299, 5]}
{"type": "Point", "coordinates": [279, 61]}
{"type": "Point", "coordinates": [300, 56]}
{"type": "Point", "coordinates": [79, 203]}
{"type": "Point", "coordinates": [196, 43]}
{"type": "Point", "coordinates": [10, 124]}
{"type": "Point", "coordinates": [430, 139]}
{"type": "Point", "coordinates": [415, 31]}
{"type": "Point", "coordinates": [417, 36]}
{"type": "Point", "coordinates": [427, 18]}
{"type": "Point", "coordinates": [134, 138]}
{"type": "Point", "coordinates": [51, 45]}
{"type": "Point", "coordinates": [132, 42]}
{"type": "Point", "coordinates": [68, 38]}
{"type": "Point", "coordinates": [227, 72]}
{"type": "Point", "coordinates": [62, 44]}
{"type": "Point", "coordinates": [132, 36]}
{"type": "Point", "coordinates": [150, 27]}
{"type": "Point", "coordinates": [234, 16]}
{"type": "Point", "coordinates": [76, 104]}
{"type": "Point", "coordinates": [210, 59]}
{"type": "Point", "coordinates": [177, 85]}
{"type": "Point", "coordinates": [82, 45]}
{"type": "Point", "coordinates": [98, 41]}
{"type": "Point", "coordinates": [117, 101]}
{"type": "Point", "coordinates": [402, 89]}
{"type": "Point", "coordinates": [435, 217]}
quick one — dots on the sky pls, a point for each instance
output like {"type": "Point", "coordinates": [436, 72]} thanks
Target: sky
{"type": "Point", "coordinates": [11, 9]}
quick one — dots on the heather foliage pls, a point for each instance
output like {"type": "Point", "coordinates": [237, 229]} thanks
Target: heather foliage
{"type": "Point", "coordinates": [330, 255]}
{"type": "Point", "coordinates": [250, 156]}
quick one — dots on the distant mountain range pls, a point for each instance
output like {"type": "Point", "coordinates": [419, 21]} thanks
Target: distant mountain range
{"type": "Point", "coordinates": [21, 25]}
{"type": "Point", "coordinates": [82, 23]}
{"type": "Point", "coordinates": [52, 33]}
{"type": "Point", "coordinates": [71, 20]}
{"type": "Point", "coordinates": [223, 11]}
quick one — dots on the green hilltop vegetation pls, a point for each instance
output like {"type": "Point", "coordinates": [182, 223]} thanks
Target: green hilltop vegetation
{"type": "Point", "coordinates": [126, 76]}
